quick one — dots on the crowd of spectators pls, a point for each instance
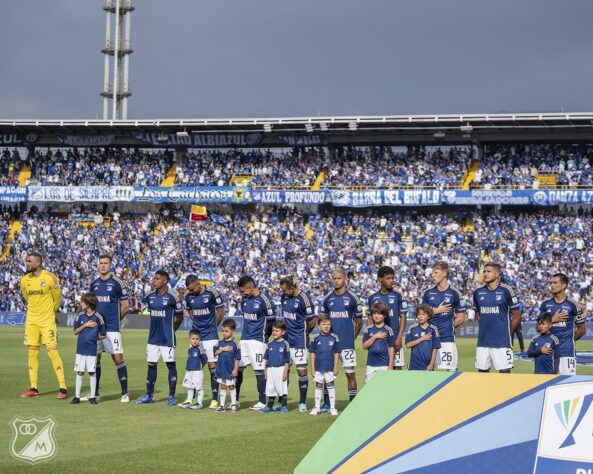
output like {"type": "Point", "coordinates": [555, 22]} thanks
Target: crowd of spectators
{"type": "Point", "coordinates": [520, 165]}
{"type": "Point", "coordinates": [10, 165]}
{"type": "Point", "coordinates": [530, 246]}
{"type": "Point", "coordinates": [387, 167]}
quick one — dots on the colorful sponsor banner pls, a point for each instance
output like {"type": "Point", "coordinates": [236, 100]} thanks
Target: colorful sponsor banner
{"type": "Point", "coordinates": [191, 194]}
{"type": "Point", "coordinates": [80, 193]}
{"type": "Point", "coordinates": [12, 194]}
{"type": "Point", "coordinates": [288, 197]}
{"type": "Point", "coordinates": [202, 140]}
{"type": "Point", "coordinates": [302, 140]}
{"type": "Point", "coordinates": [386, 197]}
{"type": "Point", "coordinates": [491, 422]}
{"type": "Point", "coordinates": [87, 140]}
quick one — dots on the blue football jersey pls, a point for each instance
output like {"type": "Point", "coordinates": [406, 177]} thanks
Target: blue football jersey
{"type": "Point", "coordinates": [564, 330]}
{"type": "Point", "coordinates": [86, 343]}
{"type": "Point", "coordinates": [444, 321]}
{"type": "Point", "coordinates": [163, 309]}
{"type": "Point", "coordinates": [421, 355]}
{"type": "Point", "coordinates": [109, 293]}
{"type": "Point", "coordinates": [324, 346]}
{"type": "Point", "coordinates": [196, 358]}
{"type": "Point", "coordinates": [378, 353]}
{"type": "Point", "coordinates": [202, 310]}
{"type": "Point", "coordinates": [226, 360]}
{"type": "Point", "coordinates": [257, 312]}
{"type": "Point", "coordinates": [277, 353]}
{"type": "Point", "coordinates": [545, 363]}
{"type": "Point", "coordinates": [398, 308]}
{"type": "Point", "coordinates": [296, 311]}
{"type": "Point", "coordinates": [495, 308]}
{"type": "Point", "coordinates": [342, 310]}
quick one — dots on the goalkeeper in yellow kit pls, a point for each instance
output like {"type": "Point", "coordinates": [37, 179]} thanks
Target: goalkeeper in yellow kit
{"type": "Point", "coordinates": [42, 292]}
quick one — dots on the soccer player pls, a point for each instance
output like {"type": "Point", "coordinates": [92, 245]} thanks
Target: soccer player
{"type": "Point", "coordinates": [194, 376]}
{"type": "Point", "coordinates": [379, 340]}
{"type": "Point", "coordinates": [298, 312]}
{"type": "Point", "coordinates": [325, 353]}
{"type": "Point", "coordinates": [227, 367]}
{"type": "Point", "coordinates": [448, 313]}
{"type": "Point", "coordinates": [258, 315]}
{"type": "Point", "coordinates": [112, 294]}
{"type": "Point", "coordinates": [43, 295]}
{"type": "Point", "coordinates": [90, 329]}
{"type": "Point", "coordinates": [497, 312]}
{"type": "Point", "coordinates": [423, 339]}
{"type": "Point", "coordinates": [206, 309]}
{"type": "Point", "coordinates": [398, 310]}
{"type": "Point", "coordinates": [277, 358]}
{"type": "Point", "coordinates": [568, 322]}
{"type": "Point", "coordinates": [545, 347]}
{"type": "Point", "coordinates": [345, 311]}
{"type": "Point", "coordinates": [166, 315]}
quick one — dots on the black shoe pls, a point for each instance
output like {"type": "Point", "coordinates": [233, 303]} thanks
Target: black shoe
{"type": "Point", "coordinates": [74, 401]}
{"type": "Point", "coordinates": [93, 401]}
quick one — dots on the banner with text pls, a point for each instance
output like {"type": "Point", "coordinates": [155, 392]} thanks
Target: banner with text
{"type": "Point", "coordinates": [81, 193]}
{"type": "Point", "coordinates": [288, 197]}
{"type": "Point", "coordinates": [201, 140]}
{"type": "Point", "coordinates": [12, 194]}
{"type": "Point", "coordinates": [522, 197]}
{"type": "Point", "coordinates": [386, 197]}
{"type": "Point", "coordinates": [199, 194]}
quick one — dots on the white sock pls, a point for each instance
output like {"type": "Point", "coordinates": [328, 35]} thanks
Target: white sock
{"type": "Point", "coordinates": [233, 396]}
{"type": "Point", "coordinates": [332, 396]}
{"type": "Point", "coordinates": [190, 394]}
{"type": "Point", "coordinates": [78, 385]}
{"type": "Point", "coordinates": [200, 396]}
{"type": "Point", "coordinates": [222, 397]}
{"type": "Point", "coordinates": [93, 384]}
{"type": "Point", "coordinates": [318, 395]}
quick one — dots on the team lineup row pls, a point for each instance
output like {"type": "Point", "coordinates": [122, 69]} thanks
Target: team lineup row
{"type": "Point", "coordinates": [432, 340]}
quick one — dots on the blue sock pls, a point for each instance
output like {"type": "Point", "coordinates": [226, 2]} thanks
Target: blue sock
{"type": "Point", "coordinates": [98, 374]}
{"type": "Point", "coordinates": [303, 387]}
{"type": "Point", "coordinates": [122, 375]}
{"type": "Point", "coordinates": [261, 386]}
{"type": "Point", "coordinates": [213, 384]}
{"type": "Point", "coordinates": [172, 378]}
{"type": "Point", "coordinates": [151, 378]}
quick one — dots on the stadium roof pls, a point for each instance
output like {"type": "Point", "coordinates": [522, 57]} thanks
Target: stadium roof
{"type": "Point", "coordinates": [341, 130]}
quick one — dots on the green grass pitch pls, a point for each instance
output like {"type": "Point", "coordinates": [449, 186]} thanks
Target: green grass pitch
{"type": "Point", "coordinates": [112, 437]}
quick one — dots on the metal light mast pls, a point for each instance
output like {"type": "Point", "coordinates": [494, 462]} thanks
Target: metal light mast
{"type": "Point", "coordinates": [119, 48]}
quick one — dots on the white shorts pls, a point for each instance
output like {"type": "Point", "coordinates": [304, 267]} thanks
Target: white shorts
{"type": "Point", "coordinates": [399, 358]}
{"type": "Point", "coordinates": [252, 352]}
{"type": "Point", "coordinates": [209, 350]}
{"type": "Point", "coordinates": [275, 386]}
{"type": "Point", "coordinates": [299, 356]}
{"type": "Point", "coordinates": [447, 356]}
{"type": "Point", "coordinates": [154, 352]}
{"type": "Point", "coordinates": [326, 377]}
{"type": "Point", "coordinates": [194, 379]}
{"type": "Point", "coordinates": [348, 359]}
{"type": "Point", "coordinates": [112, 344]}
{"type": "Point", "coordinates": [227, 382]}
{"type": "Point", "coordinates": [371, 371]}
{"type": "Point", "coordinates": [499, 357]}
{"type": "Point", "coordinates": [85, 362]}
{"type": "Point", "coordinates": [567, 366]}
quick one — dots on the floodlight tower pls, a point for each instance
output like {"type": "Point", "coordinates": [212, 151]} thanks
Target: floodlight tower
{"type": "Point", "coordinates": [119, 48]}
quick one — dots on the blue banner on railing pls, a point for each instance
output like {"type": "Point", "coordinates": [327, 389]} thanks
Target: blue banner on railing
{"type": "Point", "coordinates": [386, 197]}
{"type": "Point", "coordinates": [81, 193]}
{"type": "Point", "coordinates": [202, 140]}
{"type": "Point", "coordinates": [12, 194]}
{"type": "Point", "coordinates": [12, 318]}
{"type": "Point", "coordinates": [487, 197]}
{"type": "Point", "coordinates": [302, 140]}
{"type": "Point", "coordinates": [197, 194]}
{"type": "Point", "coordinates": [561, 196]}
{"type": "Point", "coordinates": [288, 197]}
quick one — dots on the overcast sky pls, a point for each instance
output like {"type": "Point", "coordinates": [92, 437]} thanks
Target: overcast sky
{"type": "Point", "coordinates": [264, 58]}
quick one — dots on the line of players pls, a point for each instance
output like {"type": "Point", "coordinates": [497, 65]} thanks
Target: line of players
{"type": "Point", "coordinates": [496, 308]}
